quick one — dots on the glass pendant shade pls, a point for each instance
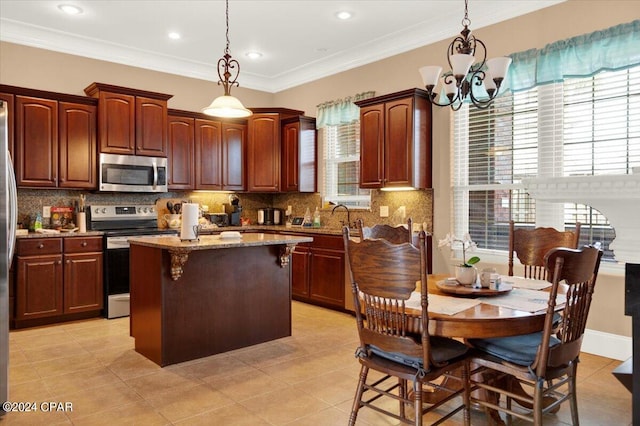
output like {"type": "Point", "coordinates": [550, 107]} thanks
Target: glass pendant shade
{"type": "Point", "coordinates": [461, 64]}
{"type": "Point", "coordinates": [430, 75]}
{"type": "Point", "coordinates": [499, 66]}
{"type": "Point", "coordinates": [228, 107]}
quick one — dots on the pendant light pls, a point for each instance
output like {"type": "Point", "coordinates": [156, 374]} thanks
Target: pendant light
{"type": "Point", "coordinates": [466, 79]}
{"type": "Point", "coordinates": [227, 106]}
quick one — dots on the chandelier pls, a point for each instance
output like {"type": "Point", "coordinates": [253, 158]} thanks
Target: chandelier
{"type": "Point", "coordinates": [226, 105]}
{"type": "Point", "coordinates": [479, 82]}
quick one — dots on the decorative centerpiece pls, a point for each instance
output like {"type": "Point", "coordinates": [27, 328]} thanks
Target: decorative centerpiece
{"type": "Point", "coordinates": [466, 273]}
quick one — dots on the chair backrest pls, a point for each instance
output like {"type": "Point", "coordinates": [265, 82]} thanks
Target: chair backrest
{"type": "Point", "coordinates": [531, 245]}
{"type": "Point", "coordinates": [383, 276]}
{"type": "Point", "coordinates": [578, 271]}
{"type": "Point", "coordinates": [395, 235]}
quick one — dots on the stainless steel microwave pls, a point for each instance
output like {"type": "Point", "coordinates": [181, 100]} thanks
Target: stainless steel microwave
{"type": "Point", "coordinates": [132, 173]}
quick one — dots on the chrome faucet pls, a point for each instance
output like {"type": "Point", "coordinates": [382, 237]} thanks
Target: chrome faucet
{"type": "Point", "coordinates": [348, 214]}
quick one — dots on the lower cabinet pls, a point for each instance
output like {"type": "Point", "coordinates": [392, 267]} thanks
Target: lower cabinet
{"type": "Point", "coordinates": [57, 277]}
{"type": "Point", "coordinates": [318, 271]}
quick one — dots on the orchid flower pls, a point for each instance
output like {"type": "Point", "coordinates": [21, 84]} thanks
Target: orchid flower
{"type": "Point", "coordinates": [466, 243]}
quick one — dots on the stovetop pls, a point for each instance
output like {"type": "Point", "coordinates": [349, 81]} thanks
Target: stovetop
{"type": "Point", "coordinates": [124, 219]}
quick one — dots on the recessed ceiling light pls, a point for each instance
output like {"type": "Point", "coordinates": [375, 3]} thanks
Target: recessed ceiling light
{"type": "Point", "coordinates": [70, 9]}
{"type": "Point", "coordinates": [253, 55]}
{"type": "Point", "coordinates": [344, 15]}
{"type": "Point", "coordinates": [174, 35]}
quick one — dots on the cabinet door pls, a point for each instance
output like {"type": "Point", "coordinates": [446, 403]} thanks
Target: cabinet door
{"type": "Point", "coordinates": [83, 282]}
{"type": "Point", "coordinates": [234, 147]}
{"type": "Point", "coordinates": [36, 160]}
{"type": "Point", "coordinates": [151, 127]}
{"type": "Point", "coordinates": [263, 153]}
{"type": "Point", "coordinates": [39, 287]}
{"type": "Point", "coordinates": [307, 156]}
{"type": "Point", "coordinates": [290, 157]}
{"type": "Point", "coordinates": [208, 137]}
{"type": "Point", "coordinates": [116, 123]}
{"type": "Point", "coordinates": [372, 146]}
{"type": "Point", "coordinates": [181, 153]}
{"type": "Point", "coordinates": [327, 276]}
{"type": "Point", "coordinates": [300, 271]}
{"type": "Point", "coordinates": [10, 105]}
{"type": "Point", "coordinates": [78, 148]}
{"type": "Point", "coordinates": [398, 138]}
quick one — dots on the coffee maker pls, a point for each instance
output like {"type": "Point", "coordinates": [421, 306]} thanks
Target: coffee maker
{"type": "Point", "coordinates": [234, 210]}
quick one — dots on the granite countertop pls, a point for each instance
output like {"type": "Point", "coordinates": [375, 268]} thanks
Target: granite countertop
{"type": "Point", "coordinates": [281, 228]}
{"type": "Point", "coordinates": [208, 242]}
{"type": "Point", "coordinates": [60, 234]}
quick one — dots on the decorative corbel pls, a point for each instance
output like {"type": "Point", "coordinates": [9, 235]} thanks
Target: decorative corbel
{"type": "Point", "coordinates": [179, 256]}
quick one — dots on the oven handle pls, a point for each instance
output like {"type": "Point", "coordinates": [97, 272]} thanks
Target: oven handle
{"type": "Point", "coordinates": [114, 244]}
{"type": "Point", "coordinates": [123, 298]}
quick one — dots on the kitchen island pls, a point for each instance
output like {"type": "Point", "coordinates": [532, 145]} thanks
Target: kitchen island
{"type": "Point", "coordinates": [191, 299]}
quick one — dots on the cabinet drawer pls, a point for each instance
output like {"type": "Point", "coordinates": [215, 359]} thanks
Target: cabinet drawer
{"type": "Point", "coordinates": [82, 244]}
{"type": "Point", "coordinates": [36, 247]}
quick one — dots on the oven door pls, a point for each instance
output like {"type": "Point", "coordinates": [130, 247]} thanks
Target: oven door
{"type": "Point", "coordinates": [116, 277]}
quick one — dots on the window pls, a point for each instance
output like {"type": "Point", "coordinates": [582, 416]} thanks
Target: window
{"type": "Point", "coordinates": [581, 126]}
{"type": "Point", "coordinates": [339, 125]}
{"type": "Point", "coordinates": [341, 163]}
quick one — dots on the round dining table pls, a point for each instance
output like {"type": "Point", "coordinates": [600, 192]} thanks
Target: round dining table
{"type": "Point", "coordinates": [480, 321]}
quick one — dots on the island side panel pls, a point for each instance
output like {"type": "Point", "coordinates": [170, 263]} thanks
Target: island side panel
{"type": "Point", "coordinates": [226, 299]}
{"type": "Point", "coordinates": [145, 272]}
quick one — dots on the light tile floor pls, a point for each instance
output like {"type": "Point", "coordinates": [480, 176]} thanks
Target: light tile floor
{"type": "Point", "coordinates": [307, 379]}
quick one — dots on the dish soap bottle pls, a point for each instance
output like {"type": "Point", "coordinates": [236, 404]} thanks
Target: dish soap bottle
{"type": "Point", "coordinates": [307, 218]}
{"type": "Point", "coordinates": [38, 223]}
{"type": "Point", "coordinates": [316, 218]}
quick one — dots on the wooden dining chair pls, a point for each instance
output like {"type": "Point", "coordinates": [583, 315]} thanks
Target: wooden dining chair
{"type": "Point", "coordinates": [383, 276]}
{"type": "Point", "coordinates": [531, 245]}
{"type": "Point", "coordinates": [393, 234]}
{"type": "Point", "coordinates": [544, 361]}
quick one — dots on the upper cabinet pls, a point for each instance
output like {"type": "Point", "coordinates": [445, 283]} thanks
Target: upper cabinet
{"type": "Point", "coordinates": [54, 139]}
{"type": "Point", "coordinates": [299, 155]}
{"type": "Point", "coordinates": [395, 141]}
{"type": "Point", "coordinates": [205, 153]}
{"type": "Point", "coordinates": [266, 145]}
{"type": "Point", "coordinates": [131, 121]}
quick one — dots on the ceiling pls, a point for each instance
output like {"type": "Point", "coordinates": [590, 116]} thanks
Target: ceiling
{"type": "Point", "coordinates": [300, 40]}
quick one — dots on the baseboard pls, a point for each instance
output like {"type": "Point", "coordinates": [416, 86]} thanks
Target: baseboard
{"type": "Point", "coordinates": [607, 345]}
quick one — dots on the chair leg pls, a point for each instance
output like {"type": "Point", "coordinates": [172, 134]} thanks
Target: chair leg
{"type": "Point", "coordinates": [573, 400]}
{"type": "Point", "coordinates": [402, 392]}
{"type": "Point", "coordinates": [417, 402]}
{"type": "Point", "coordinates": [537, 403]}
{"type": "Point", "coordinates": [466, 396]}
{"type": "Point", "coordinates": [358, 398]}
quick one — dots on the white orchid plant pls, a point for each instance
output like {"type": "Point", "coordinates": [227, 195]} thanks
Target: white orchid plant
{"type": "Point", "coordinates": [466, 243]}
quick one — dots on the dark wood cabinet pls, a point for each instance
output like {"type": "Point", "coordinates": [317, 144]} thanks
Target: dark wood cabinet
{"type": "Point", "coordinates": [77, 140]}
{"type": "Point", "coordinates": [318, 271]}
{"type": "Point", "coordinates": [39, 278]}
{"type": "Point", "coordinates": [208, 139]}
{"type": "Point", "coordinates": [9, 100]}
{"type": "Point", "coordinates": [36, 159]}
{"type": "Point", "coordinates": [56, 278]}
{"type": "Point", "coordinates": [205, 153]}
{"type": "Point", "coordinates": [181, 154]}
{"type": "Point", "coordinates": [395, 141]}
{"type": "Point", "coordinates": [53, 137]}
{"type": "Point", "coordinates": [264, 148]}
{"type": "Point", "coordinates": [83, 282]}
{"type": "Point", "coordinates": [299, 155]}
{"type": "Point", "coordinates": [234, 148]}
{"type": "Point", "coordinates": [131, 121]}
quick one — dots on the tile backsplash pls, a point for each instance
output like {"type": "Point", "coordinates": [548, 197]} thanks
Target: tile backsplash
{"type": "Point", "coordinates": [415, 204]}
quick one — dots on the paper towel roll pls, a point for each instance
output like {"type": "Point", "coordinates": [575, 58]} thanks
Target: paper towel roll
{"type": "Point", "coordinates": [189, 221]}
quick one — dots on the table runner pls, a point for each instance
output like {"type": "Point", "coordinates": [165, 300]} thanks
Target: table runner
{"type": "Point", "coordinates": [523, 300]}
{"type": "Point", "coordinates": [528, 283]}
{"type": "Point", "coordinates": [438, 304]}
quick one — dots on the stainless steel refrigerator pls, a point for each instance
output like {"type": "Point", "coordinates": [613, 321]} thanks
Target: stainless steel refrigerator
{"type": "Point", "coordinates": [8, 223]}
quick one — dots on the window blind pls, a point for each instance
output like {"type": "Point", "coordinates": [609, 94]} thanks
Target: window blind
{"type": "Point", "coordinates": [582, 126]}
